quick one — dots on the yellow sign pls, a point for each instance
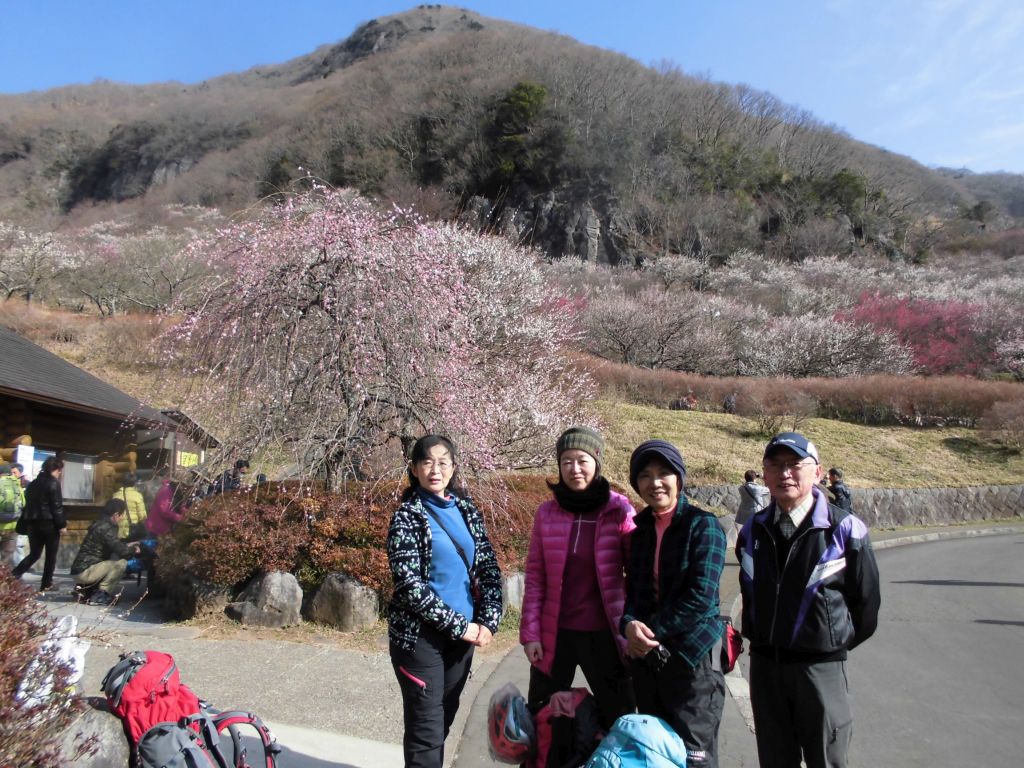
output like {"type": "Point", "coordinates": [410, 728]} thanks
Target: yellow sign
{"type": "Point", "coordinates": [187, 459]}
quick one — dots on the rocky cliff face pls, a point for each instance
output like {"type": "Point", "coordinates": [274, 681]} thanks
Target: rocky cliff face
{"type": "Point", "coordinates": [560, 223]}
{"type": "Point", "coordinates": [380, 35]}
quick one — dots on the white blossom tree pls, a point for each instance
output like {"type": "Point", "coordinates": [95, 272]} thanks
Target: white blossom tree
{"type": "Point", "coordinates": [342, 331]}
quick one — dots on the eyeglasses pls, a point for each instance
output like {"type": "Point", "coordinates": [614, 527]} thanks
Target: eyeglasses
{"type": "Point", "coordinates": [789, 466]}
{"type": "Point", "coordinates": [443, 464]}
{"type": "Point", "coordinates": [580, 462]}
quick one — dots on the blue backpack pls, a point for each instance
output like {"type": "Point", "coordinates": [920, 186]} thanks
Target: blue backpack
{"type": "Point", "coordinates": [639, 741]}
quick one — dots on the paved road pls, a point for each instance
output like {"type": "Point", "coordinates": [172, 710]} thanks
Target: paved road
{"type": "Point", "coordinates": [942, 681]}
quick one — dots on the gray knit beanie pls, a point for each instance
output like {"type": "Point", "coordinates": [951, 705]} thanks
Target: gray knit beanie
{"type": "Point", "coordinates": [581, 439]}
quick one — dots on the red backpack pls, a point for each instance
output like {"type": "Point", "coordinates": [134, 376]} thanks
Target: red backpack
{"type": "Point", "coordinates": [144, 688]}
{"type": "Point", "coordinates": [168, 725]}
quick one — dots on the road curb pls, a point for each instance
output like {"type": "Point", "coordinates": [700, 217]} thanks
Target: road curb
{"type": "Point", "coordinates": [737, 685]}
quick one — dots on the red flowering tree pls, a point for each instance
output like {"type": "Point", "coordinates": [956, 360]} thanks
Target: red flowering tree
{"type": "Point", "coordinates": [943, 335]}
{"type": "Point", "coordinates": [342, 332]}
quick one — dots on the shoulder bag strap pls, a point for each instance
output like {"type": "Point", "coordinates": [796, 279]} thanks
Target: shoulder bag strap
{"type": "Point", "coordinates": [459, 549]}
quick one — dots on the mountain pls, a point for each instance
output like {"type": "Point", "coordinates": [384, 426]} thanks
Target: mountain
{"type": "Point", "coordinates": [567, 147]}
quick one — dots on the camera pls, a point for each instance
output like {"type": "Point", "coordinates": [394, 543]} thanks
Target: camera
{"type": "Point", "coordinates": [657, 658]}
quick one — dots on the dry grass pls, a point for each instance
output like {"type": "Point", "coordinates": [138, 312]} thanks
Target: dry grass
{"type": "Point", "coordinates": [718, 448]}
{"type": "Point", "coordinates": [373, 639]}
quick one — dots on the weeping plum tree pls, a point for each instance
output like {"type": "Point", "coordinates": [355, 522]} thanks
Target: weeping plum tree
{"type": "Point", "coordinates": [343, 332]}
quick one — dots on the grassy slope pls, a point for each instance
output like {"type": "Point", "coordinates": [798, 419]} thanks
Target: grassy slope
{"type": "Point", "coordinates": [718, 448]}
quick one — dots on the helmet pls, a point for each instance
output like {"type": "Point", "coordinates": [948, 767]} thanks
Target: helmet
{"type": "Point", "coordinates": [509, 726]}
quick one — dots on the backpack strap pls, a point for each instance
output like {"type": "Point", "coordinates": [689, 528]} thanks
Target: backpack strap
{"type": "Point", "coordinates": [202, 723]}
{"type": "Point", "coordinates": [119, 675]}
{"type": "Point", "coordinates": [230, 721]}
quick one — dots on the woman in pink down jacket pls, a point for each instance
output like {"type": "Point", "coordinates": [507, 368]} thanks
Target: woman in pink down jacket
{"type": "Point", "coordinates": [575, 583]}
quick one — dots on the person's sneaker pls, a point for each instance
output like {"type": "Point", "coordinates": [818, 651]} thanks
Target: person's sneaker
{"type": "Point", "coordinates": [49, 588]}
{"type": "Point", "coordinates": [83, 592]}
{"type": "Point", "coordinates": [101, 597]}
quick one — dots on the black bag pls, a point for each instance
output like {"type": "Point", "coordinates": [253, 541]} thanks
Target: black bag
{"type": "Point", "coordinates": [21, 527]}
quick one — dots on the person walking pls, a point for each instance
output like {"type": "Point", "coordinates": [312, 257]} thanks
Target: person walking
{"type": "Point", "coordinates": [837, 488]}
{"type": "Point", "coordinates": [44, 513]}
{"type": "Point", "coordinates": [671, 620]}
{"type": "Point", "coordinates": [810, 595]}
{"type": "Point", "coordinates": [447, 597]}
{"type": "Point", "coordinates": [753, 497]}
{"type": "Point", "coordinates": [575, 585]}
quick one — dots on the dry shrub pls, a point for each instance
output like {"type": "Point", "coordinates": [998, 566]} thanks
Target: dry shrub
{"type": "Point", "coordinates": [29, 732]}
{"type": "Point", "coordinates": [876, 400]}
{"type": "Point", "coordinates": [1003, 423]}
{"type": "Point", "coordinates": [657, 387]}
{"type": "Point", "coordinates": [229, 538]}
{"type": "Point", "coordinates": [130, 340]}
{"type": "Point", "coordinates": [43, 327]}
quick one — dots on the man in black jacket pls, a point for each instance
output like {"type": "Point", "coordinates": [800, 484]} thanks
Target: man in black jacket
{"type": "Point", "coordinates": [103, 557]}
{"type": "Point", "coordinates": [810, 594]}
{"type": "Point", "coordinates": [839, 491]}
{"type": "Point", "coordinates": [44, 514]}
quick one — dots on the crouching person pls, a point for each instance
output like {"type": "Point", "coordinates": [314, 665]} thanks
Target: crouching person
{"type": "Point", "coordinates": [103, 558]}
{"type": "Point", "coordinates": [671, 619]}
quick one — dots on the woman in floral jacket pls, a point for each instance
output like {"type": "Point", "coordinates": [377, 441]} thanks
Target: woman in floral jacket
{"type": "Point", "coordinates": [447, 598]}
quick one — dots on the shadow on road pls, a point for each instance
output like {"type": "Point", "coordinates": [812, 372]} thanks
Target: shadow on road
{"type": "Point", "coordinates": [960, 583]}
{"type": "Point", "coordinates": [1000, 623]}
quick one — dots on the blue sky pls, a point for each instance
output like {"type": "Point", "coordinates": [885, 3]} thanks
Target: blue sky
{"type": "Point", "coordinates": [939, 80]}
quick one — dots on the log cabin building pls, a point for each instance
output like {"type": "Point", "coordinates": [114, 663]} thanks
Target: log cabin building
{"type": "Point", "coordinates": [49, 406]}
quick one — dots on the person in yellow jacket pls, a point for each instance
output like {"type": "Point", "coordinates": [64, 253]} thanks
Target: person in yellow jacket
{"type": "Point", "coordinates": [12, 499]}
{"type": "Point", "coordinates": [129, 526]}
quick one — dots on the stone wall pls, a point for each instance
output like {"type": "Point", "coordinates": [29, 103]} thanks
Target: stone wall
{"type": "Point", "coordinates": [894, 507]}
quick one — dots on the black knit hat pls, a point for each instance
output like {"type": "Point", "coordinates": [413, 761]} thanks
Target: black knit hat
{"type": "Point", "coordinates": [660, 449]}
{"type": "Point", "coordinates": [581, 439]}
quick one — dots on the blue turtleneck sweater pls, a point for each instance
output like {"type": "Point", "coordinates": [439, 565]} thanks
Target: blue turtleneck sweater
{"type": "Point", "coordinates": [448, 574]}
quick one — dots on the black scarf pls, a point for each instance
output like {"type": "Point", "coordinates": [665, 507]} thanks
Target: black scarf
{"type": "Point", "coordinates": [590, 499]}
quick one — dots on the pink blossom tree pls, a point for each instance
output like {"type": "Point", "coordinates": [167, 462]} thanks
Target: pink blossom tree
{"type": "Point", "coordinates": [341, 333]}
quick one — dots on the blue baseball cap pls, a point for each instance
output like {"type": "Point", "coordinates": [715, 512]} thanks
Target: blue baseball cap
{"type": "Point", "coordinates": [794, 442]}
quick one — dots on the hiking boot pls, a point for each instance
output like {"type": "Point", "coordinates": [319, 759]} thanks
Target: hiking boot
{"type": "Point", "coordinates": [101, 597]}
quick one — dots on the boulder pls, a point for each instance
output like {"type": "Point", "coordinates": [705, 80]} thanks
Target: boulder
{"type": "Point", "coordinates": [344, 603]}
{"type": "Point", "coordinates": [187, 597]}
{"type": "Point", "coordinates": [95, 739]}
{"type": "Point", "coordinates": [271, 600]}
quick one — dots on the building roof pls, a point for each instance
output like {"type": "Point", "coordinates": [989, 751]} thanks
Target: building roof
{"type": "Point", "coordinates": [30, 372]}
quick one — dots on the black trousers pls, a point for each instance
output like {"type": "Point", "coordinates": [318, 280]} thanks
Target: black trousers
{"type": "Point", "coordinates": [431, 677]}
{"type": "Point", "coordinates": [801, 710]}
{"type": "Point", "coordinates": [596, 654]}
{"type": "Point", "coordinates": [41, 537]}
{"type": "Point", "coordinates": [689, 700]}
